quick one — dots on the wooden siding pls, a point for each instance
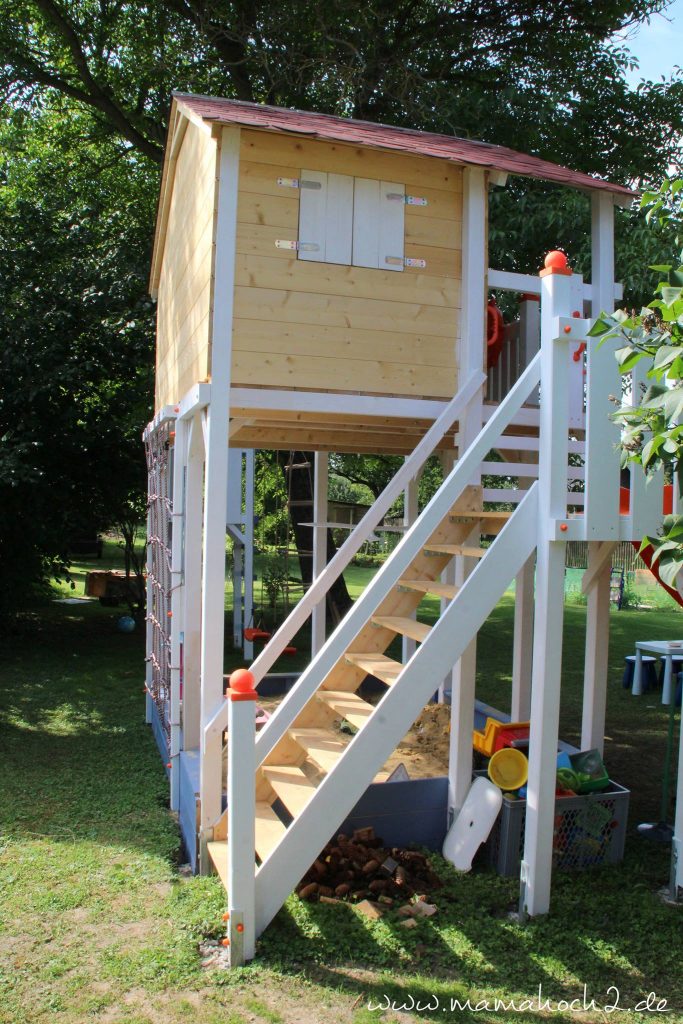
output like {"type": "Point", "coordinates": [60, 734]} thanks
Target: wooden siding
{"type": "Point", "coordinates": [184, 298]}
{"type": "Point", "coordinates": [323, 326]}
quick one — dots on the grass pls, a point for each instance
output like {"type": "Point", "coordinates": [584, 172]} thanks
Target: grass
{"type": "Point", "coordinates": [97, 923]}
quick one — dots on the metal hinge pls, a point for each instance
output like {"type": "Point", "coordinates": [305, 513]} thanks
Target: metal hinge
{"type": "Point", "coordinates": [283, 243]}
{"type": "Point", "coordinates": [299, 183]}
{"type": "Point", "coordinates": [408, 261]}
{"type": "Point", "coordinates": [399, 197]}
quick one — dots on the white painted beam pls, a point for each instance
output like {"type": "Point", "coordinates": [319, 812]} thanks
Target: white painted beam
{"type": "Point", "coordinates": [320, 489]}
{"type": "Point", "coordinates": [217, 419]}
{"type": "Point", "coordinates": [597, 648]}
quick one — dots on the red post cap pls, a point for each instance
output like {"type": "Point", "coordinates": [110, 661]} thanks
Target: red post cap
{"type": "Point", "coordinates": [242, 680]}
{"type": "Point", "coordinates": [556, 260]}
{"type": "Point", "coordinates": [556, 263]}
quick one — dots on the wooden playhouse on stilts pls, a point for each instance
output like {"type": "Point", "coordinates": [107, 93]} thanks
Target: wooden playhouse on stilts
{"type": "Point", "coordinates": [322, 285]}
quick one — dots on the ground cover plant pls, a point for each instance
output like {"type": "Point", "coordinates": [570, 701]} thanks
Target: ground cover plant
{"type": "Point", "coordinates": [97, 923]}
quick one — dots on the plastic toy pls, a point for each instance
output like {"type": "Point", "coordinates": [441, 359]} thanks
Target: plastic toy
{"type": "Point", "coordinates": [473, 824]}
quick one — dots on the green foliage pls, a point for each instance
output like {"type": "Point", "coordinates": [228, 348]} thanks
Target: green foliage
{"type": "Point", "coordinates": [76, 338]}
{"type": "Point", "coordinates": [87, 88]}
{"type": "Point", "coordinates": [652, 431]}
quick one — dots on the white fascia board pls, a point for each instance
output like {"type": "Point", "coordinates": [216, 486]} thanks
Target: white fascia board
{"type": "Point", "coordinates": [326, 403]}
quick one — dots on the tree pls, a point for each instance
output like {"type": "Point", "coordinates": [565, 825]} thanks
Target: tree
{"type": "Point", "coordinates": [652, 434]}
{"type": "Point", "coordinates": [87, 86]}
{"type": "Point", "coordinates": [76, 338]}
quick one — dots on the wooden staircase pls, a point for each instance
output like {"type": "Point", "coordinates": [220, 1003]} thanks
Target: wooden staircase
{"type": "Point", "coordinates": [309, 773]}
{"type": "Point", "coordinates": [313, 744]}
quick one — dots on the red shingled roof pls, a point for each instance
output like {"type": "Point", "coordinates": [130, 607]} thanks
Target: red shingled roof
{"type": "Point", "coordinates": [382, 136]}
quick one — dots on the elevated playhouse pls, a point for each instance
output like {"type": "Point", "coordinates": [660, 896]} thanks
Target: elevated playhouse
{"type": "Point", "coordinates": [322, 285]}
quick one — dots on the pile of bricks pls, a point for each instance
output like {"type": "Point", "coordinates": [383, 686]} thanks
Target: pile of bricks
{"type": "Point", "coordinates": [361, 870]}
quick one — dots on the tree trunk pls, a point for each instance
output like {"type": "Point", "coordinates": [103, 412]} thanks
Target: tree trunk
{"type": "Point", "coordinates": [300, 493]}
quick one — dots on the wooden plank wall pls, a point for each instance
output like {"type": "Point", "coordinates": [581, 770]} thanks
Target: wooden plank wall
{"type": "Point", "coordinates": [321, 326]}
{"type": "Point", "coordinates": [185, 281]}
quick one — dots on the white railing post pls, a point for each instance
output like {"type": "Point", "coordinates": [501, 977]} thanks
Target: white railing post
{"type": "Point", "coordinates": [319, 529]}
{"type": "Point", "coordinates": [556, 292]}
{"type": "Point", "coordinates": [177, 604]}
{"type": "Point", "coordinates": [241, 817]}
{"type": "Point", "coordinates": [646, 492]}
{"type": "Point", "coordinates": [410, 513]}
{"type": "Point", "coordinates": [472, 345]}
{"type": "Point", "coordinates": [602, 380]}
{"type": "Point", "coordinates": [523, 639]}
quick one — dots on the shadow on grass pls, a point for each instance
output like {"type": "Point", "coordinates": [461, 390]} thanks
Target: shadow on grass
{"type": "Point", "coordinates": [472, 948]}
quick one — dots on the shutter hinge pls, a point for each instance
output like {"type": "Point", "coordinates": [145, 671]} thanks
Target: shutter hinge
{"type": "Point", "coordinates": [283, 243]}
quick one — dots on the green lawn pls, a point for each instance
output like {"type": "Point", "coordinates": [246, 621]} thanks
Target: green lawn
{"type": "Point", "coordinates": [97, 924]}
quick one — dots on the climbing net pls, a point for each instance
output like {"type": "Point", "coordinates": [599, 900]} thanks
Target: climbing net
{"type": "Point", "coordinates": [159, 452]}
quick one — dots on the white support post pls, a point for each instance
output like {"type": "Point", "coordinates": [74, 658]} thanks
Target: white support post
{"type": "Point", "coordinates": [447, 460]}
{"type": "Point", "coordinates": [597, 652]}
{"type": "Point", "coordinates": [647, 492]}
{"type": "Point", "coordinates": [320, 486]}
{"type": "Point", "coordinates": [529, 333]}
{"type": "Point", "coordinates": [192, 589]}
{"type": "Point", "coordinates": [472, 356]}
{"type": "Point", "coordinates": [676, 882]}
{"type": "Point", "coordinates": [216, 423]}
{"type": "Point", "coordinates": [234, 520]}
{"type": "Point", "coordinates": [410, 513]}
{"type": "Point", "coordinates": [523, 639]}
{"type": "Point", "coordinates": [249, 469]}
{"type": "Point", "coordinates": [536, 868]}
{"type": "Point", "coordinates": [603, 380]}
{"type": "Point", "coordinates": [178, 498]}
{"type": "Point", "coordinates": [241, 819]}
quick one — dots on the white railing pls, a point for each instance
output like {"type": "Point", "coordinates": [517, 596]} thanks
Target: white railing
{"type": "Point", "coordinates": [341, 788]}
{"type": "Point", "coordinates": [372, 518]}
{"type": "Point", "coordinates": [392, 570]}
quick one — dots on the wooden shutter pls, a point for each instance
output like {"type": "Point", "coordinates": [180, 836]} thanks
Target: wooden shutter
{"type": "Point", "coordinates": [391, 225]}
{"type": "Point", "coordinates": [339, 219]}
{"type": "Point", "coordinates": [366, 223]}
{"type": "Point", "coordinates": [312, 207]}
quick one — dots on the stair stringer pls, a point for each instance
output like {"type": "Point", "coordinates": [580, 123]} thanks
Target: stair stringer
{"type": "Point", "coordinates": [341, 789]}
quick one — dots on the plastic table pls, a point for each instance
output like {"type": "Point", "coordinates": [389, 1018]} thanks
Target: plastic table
{"type": "Point", "coordinates": [666, 649]}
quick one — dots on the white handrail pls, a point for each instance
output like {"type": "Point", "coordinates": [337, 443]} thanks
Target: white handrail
{"type": "Point", "coordinates": [372, 518]}
{"type": "Point", "coordinates": [394, 567]}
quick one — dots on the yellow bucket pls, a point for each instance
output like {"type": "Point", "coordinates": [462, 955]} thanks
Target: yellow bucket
{"type": "Point", "coordinates": [508, 768]}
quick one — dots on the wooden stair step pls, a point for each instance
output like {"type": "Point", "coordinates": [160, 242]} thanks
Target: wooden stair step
{"type": "Point", "coordinates": [218, 852]}
{"type": "Point", "coordinates": [349, 706]}
{"type": "Point", "coordinates": [484, 514]}
{"type": "Point", "coordinates": [446, 590]}
{"type": "Point", "coordinates": [377, 665]}
{"type": "Point", "coordinates": [456, 549]}
{"type": "Point", "coordinates": [406, 626]}
{"type": "Point", "coordinates": [292, 786]}
{"type": "Point", "coordinates": [269, 829]}
{"type": "Point", "coordinates": [322, 746]}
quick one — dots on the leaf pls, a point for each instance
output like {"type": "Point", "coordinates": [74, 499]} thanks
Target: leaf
{"type": "Point", "coordinates": [669, 571]}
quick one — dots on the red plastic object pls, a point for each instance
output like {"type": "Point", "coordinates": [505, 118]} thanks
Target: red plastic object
{"type": "Point", "coordinates": [242, 680]}
{"type": "Point", "coordinates": [495, 333]}
{"type": "Point", "coordinates": [555, 260]}
{"type": "Point", "coordinates": [506, 737]}
{"type": "Point", "coordinates": [289, 650]}
{"type": "Point", "coordinates": [646, 554]}
{"type": "Point", "coordinates": [251, 633]}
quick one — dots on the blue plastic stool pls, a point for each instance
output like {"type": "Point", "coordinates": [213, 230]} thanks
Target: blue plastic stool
{"type": "Point", "coordinates": [649, 671]}
{"type": "Point", "coordinates": [676, 668]}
